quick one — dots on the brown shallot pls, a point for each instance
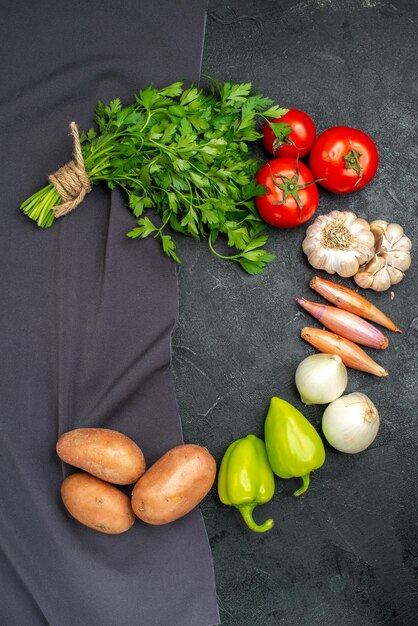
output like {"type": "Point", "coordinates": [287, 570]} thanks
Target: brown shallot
{"type": "Point", "coordinates": [345, 324]}
{"type": "Point", "coordinates": [351, 354]}
{"type": "Point", "coordinates": [348, 300]}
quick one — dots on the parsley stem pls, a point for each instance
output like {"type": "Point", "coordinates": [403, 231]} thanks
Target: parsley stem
{"type": "Point", "coordinates": [222, 256]}
{"type": "Point", "coordinates": [146, 122]}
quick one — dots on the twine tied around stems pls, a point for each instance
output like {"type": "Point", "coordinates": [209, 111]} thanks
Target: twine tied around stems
{"type": "Point", "coordinates": [71, 180]}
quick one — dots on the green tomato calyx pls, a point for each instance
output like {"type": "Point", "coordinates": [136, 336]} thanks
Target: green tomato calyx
{"type": "Point", "coordinates": [352, 163]}
{"type": "Point", "coordinates": [289, 186]}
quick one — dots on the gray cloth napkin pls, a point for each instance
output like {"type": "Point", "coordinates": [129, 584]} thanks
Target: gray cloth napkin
{"type": "Point", "coordinates": [86, 317]}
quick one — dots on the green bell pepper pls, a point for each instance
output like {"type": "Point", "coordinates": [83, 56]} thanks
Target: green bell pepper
{"type": "Point", "coordinates": [245, 479]}
{"type": "Point", "coordinates": [294, 448]}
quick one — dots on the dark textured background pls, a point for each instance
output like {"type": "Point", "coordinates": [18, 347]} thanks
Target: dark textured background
{"type": "Point", "coordinates": [345, 553]}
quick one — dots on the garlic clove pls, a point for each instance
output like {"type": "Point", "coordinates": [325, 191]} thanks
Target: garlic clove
{"type": "Point", "coordinates": [335, 215]}
{"type": "Point", "coordinates": [394, 233]}
{"type": "Point", "coordinates": [379, 238]}
{"type": "Point", "coordinates": [349, 218]}
{"type": "Point", "coordinates": [317, 259]}
{"type": "Point", "coordinates": [364, 279]}
{"type": "Point", "coordinates": [404, 244]}
{"type": "Point", "coordinates": [378, 225]}
{"type": "Point", "coordinates": [348, 264]}
{"type": "Point", "coordinates": [358, 225]}
{"type": "Point", "coordinates": [395, 275]}
{"type": "Point", "coordinates": [372, 275]}
{"type": "Point", "coordinates": [318, 224]}
{"type": "Point", "coordinates": [381, 280]}
{"type": "Point", "coordinates": [365, 247]}
{"type": "Point", "coordinates": [389, 236]}
{"type": "Point", "coordinates": [400, 260]}
{"type": "Point", "coordinates": [375, 264]}
{"type": "Point", "coordinates": [309, 245]}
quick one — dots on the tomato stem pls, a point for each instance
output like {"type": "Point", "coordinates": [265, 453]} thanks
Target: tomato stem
{"type": "Point", "coordinates": [352, 163]}
{"type": "Point", "coordinates": [290, 186]}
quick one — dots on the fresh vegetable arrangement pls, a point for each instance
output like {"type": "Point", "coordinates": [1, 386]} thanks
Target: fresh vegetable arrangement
{"type": "Point", "coordinates": [292, 449]}
{"type": "Point", "coordinates": [186, 153]}
{"type": "Point", "coordinates": [342, 160]}
{"type": "Point", "coordinates": [168, 490]}
{"type": "Point", "coordinates": [350, 423]}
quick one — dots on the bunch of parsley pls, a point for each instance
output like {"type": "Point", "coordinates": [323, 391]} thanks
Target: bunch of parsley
{"type": "Point", "coordinates": [185, 153]}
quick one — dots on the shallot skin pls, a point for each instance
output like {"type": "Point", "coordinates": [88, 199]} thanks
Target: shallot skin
{"type": "Point", "coordinates": [348, 300]}
{"type": "Point", "coordinates": [351, 354]}
{"type": "Point", "coordinates": [346, 324]}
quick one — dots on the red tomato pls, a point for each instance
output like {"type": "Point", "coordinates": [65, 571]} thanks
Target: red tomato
{"type": "Point", "coordinates": [346, 158]}
{"type": "Point", "coordinates": [295, 144]}
{"type": "Point", "coordinates": [292, 196]}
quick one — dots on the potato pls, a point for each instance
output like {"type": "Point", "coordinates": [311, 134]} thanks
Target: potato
{"type": "Point", "coordinates": [105, 453]}
{"type": "Point", "coordinates": [97, 504]}
{"type": "Point", "coordinates": [174, 485]}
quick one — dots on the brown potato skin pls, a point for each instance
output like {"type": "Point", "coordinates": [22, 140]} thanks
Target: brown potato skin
{"type": "Point", "coordinates": [107, 454]}
{"type": "Point", "coordinates": [174, 485]}
{"type": "Point", "coordinates": [97, 504]}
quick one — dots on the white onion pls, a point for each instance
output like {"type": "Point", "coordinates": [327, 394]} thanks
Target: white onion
{"type": "Point", "coordinates": [350, 424]}
{"type": "Point", "coordinates": [321, 378]}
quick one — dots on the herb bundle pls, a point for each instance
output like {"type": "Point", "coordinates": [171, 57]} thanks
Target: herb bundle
{"type": "Point", "coordinates": [185, 153]}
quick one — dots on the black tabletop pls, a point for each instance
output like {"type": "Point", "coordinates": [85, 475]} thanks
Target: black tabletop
{"type": "Point", "coordinates": [346, 552]}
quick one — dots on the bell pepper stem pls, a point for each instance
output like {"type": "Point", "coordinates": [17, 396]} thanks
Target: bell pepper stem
{"type": "Point", "coordinates": [305, 484]}
{"type": "Point", "coordinates": [247, 513]}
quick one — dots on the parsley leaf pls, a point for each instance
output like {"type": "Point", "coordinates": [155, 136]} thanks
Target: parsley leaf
{"type": "Point", "coordinates": [280, 129]}
{"type": "Point", "coordinates": [275, 111]}
{"type": "Point", "coordinates": [169, 247]}
{"type": "Point", "coordinates": [145, 228]}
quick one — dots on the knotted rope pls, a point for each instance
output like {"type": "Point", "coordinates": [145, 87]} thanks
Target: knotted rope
{"type": "Point", "coordinates": [71, 180]}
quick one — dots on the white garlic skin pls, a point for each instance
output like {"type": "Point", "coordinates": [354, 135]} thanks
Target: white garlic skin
{"type": "Point", "coordinates": [346, 260]}
{"type": "Point", "coordinates": [374, 275]}
{"type": "Point", "coordinates": [392, 257]}
{"type": "Point", "coordinates": [392, 244]}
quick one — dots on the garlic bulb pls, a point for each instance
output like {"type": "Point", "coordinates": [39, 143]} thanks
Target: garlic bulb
{"type": "Point", "coordinates": [350, 424]}
{"type": "Point", "coordinates": [339, 243]}
{"type": "Point", "coordinates": [321, 378]}
{"type": "Point", "coordinates": [392, 257]}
